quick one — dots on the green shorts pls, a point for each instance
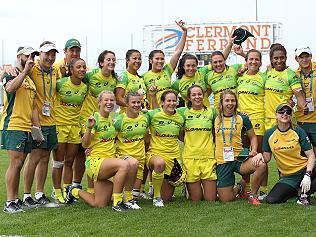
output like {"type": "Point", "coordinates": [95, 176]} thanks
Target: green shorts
{"type": "Point", "coordinates": [50, 136]}
{"type": "Point", "coordinates": [226, 172]}
{"type": "Point", "coordinates": [294, 180]}
{"type": "Point", "coordinates": [310, 129]}
{"type": "Point", "coordinates": [20, 141]}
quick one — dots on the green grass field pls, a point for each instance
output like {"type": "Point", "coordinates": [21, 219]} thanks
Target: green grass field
{"type": "Point", "coordinates": [178, 218]}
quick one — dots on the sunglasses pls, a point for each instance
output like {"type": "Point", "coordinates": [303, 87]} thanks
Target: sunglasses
{"type": "Point", "coordinates": [287, 112]}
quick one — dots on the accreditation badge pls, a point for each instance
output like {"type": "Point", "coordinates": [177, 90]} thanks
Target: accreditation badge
{"type": "Point", "coordinates": [310, 104]}
{"type": "Point", "coordinates": [228, 154]}
{"type": "Point", "coordinates": [46, 109]}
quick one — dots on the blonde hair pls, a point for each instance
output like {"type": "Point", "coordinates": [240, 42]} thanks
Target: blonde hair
{"type": "Point", "coordinates": [220, 104]}
{"type": "Point", "coordinates": [100, 96]}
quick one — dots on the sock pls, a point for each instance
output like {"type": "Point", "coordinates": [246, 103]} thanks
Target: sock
{"type": "Point", "coordinates": [136, 193]}
{"type": "Point", "coordinates": [90, 190]}
{"type": "Point", "coordinates": [117, 197]}
{"type": "Point", "coordinates": [58, 192]}
{"type": "Point", "coordinates": [247, 188]}
{"type": "Point", "coordinates": [66, 185]}
{"type": "Point", "coordinates": [264, 189]}
{"type": "Point", "coordinates": [38, 195]}
{"type": "Point", "coordinates": [142, 188]}
{"type": "Point", "coordinates": [75, 183]}
{"type": "Point", "coordinates": [75, 192]}
{"type": "Point", "coordinates": [26, 195]}
{"type": "Point", "coordinates": [128, 196]}
{"type": "Point", "coordinates": [16, 200]}
{"type": "Point", "coordinates": [157, 182]}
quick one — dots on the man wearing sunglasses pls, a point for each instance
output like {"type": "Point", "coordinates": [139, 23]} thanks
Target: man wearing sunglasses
{"type": "Point", "coordinates": [306, 72]}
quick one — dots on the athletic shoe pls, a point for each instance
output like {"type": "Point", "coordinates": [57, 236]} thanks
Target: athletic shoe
{"type": "Point", "coordinates": [77, 185]}
{"type": "Point", "coordinates": [70, 199]}
{"type": "Point", "coordinates": [253, 200]}
{"type": "Point", "coordinates": [143, 195]}
{"type": "Point", "coordinates": [158, 202]}
{"type": "Point", "coordinates": [12, 208]}
{"type": "Point", "coordinates": [43, 201]}
{"type": "Point", "coordinates": [242, 193]}
{"type": "Point", "coordinates": [132, 204]}
{"type": "Point", "coordinates": [19, 203]}
{"type": "Point", "coordinates": [262, 196]}
{"type": "Point", "coordinates": [120, 207]}
{"type": "Point", "coordinates": [59, 199]}
{"type": "Point", "coordinates": [29, 203]}
{"type": "Point", "coordinates": [303, 200]}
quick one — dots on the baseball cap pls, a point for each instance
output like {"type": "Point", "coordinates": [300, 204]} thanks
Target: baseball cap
{"type": "Point", "coordinates": [241, 35]}
{"type": "Point", "coordinates": [72, 43]}
{"type": "Point", "coordinates": [48, 47]}
{"type": "Point", "coordinates": [280, 107]}
{"type": "Point", "coordinates": [302, 49]}
{"type": "Point", "coordinates": [26, 50]}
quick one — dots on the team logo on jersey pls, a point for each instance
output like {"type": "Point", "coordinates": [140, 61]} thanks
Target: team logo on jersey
{"type": "Point", "coordinates": [169, 39]}
{"type": "Point", "coordinates": [68, 93]}
{"type": "Point", "coordinates": [257, 125]}
{"type": "Point", "coordinates": [275, 141]}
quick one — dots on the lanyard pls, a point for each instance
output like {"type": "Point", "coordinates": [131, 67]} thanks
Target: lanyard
{"type": "Point", "coordinates": [310, 83]}
{"type": "Point", "coordinates": [231, 131]}
{"type": "Point", "coordinates": [50, 82]}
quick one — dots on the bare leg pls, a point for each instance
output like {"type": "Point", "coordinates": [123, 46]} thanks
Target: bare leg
{"type": "Point", "coordinates": [195, 191]}
{"type": "Point", "coordinates": [29, 169]}
{"type": "Point", "coordinates": [209, 187]}
{"type": "Point", "coordinates": [71, 153]}
{"type": "Point", "coordinates": [41, 170]}
{"type": "Point", "coordinates": [79, 167]}
{"type": "Point", "coordinates": [57, 170]}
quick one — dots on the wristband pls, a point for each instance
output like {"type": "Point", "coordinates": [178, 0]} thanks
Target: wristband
{"type": "Point", "coordinates": [309, 173]}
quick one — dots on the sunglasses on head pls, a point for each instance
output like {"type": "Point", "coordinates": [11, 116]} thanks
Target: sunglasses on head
{"type": "Point", "coordinates": [286, 111]}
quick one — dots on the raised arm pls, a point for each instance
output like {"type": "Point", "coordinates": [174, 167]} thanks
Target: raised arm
{"type": "Point", "coordinates": [179, 49]}
{"type": "Point", "coordinates": [88, 136]}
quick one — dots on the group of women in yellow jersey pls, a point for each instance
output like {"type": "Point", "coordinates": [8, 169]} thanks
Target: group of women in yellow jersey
{"type": "Point", "coordinates": [251, 120]}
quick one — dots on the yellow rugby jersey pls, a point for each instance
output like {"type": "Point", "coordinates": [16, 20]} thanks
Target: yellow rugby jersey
{"type": "Point", "coordinates": [130, 82]}
{"type": "Point", "coordinates": [182, 85]}
{"type": "Point", "coordinates": [130, 137]}
{"type": "Point", "coordinates": [250, 92]}
{"type": "Point", "coordinates": [96, 84]}
{"type": "Point", "coordinates": [103, 143]}
{"type": "Point", "coordinates": [62, 62]}
{"type": "Point", "coordinates": [219, 82]}
{"type": "Point", "coordinates": [279, 89]}
{"type": "Point", "coordinates": [241, 125]}
{"type": "Point", "coordinates": [198, 127]}
{"type": "Point", "coordinates": [286, 148]}
{"type": "Point", "coordinates": [50, 85]}
{"type": "Point", "coordinates": [161, 79]}
{"type": "Point", "coordinates": [305, 83]}
{"type": "Point", "coordinates": [164, 132]}
{"type": "Point", "coordinates": [69, 101]}
{"type": "Point", "coordinates": [18, 106]}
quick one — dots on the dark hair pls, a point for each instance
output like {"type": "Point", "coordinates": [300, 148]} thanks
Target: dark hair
{"type": "Point", "coordinates": [152, 55]}
{"type": "Point", "coordinates": [128, 55]}
{"type": "Point", "coordinates": [72, 63]}
{"type": "Point", "coordinates": [180, 71]}
{"type": "Point", "coordinates": [217, 53]}
{"type": "Point", "coordinates": [129, 94]}
{"type": "Point", "coordinates": [165, 93]}
{"type": "Point", "coordinates": [253, 51]}
{"type": "Point", "coordinates": [46, 42]}
{"type": "Point", "coordinates": [101, 60]}
{"type": "Point", "coordinates": [274, 48]}
{"type": "Point", "coordinates": [189, 105]}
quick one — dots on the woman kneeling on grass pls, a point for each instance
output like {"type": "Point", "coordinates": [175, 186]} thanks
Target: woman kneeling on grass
{"type": "Point", "coordinates": [286, 141]}
{"type": "Point", "coordinates": [198, 151]}
{"type": "Point", "coordinates": [229, 132]}
{"type": "Point", "coordinates": [165, 127]}
{"type": "Point", "coordinates": [108, 173]}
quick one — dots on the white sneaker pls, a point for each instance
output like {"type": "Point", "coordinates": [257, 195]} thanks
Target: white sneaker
{"type": "Point", "coordinates": [151, 192]}
{"type": "Point", "coordinates": [132, 204]}
{"type": "Point", "coordinates": [158, 202]}
{"type": "Point", "coordinates": [262, 196]}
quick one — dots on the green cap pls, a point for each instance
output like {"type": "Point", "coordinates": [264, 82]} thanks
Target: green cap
{"type": "Point", "coordinates": [282, 106]}
{"type": "Point", "coordinates": [72, 43]}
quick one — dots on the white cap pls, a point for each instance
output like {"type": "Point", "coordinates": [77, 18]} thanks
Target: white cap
{"type": "Point", "coordinates": [48, 47]}
{"type": "Point", "coordinates": [302, 49]}
{"type": "Point", "coordinates": [26, 50]}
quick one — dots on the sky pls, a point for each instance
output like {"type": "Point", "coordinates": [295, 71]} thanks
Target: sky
{"type": "Point", "coordinates": [118, 25]}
